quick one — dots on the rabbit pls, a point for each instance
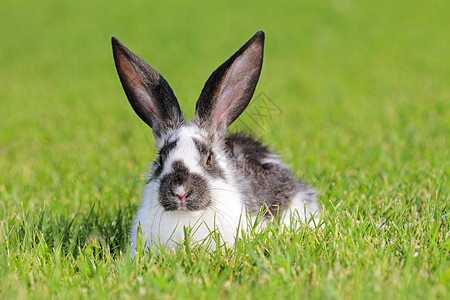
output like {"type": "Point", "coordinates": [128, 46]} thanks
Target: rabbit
{"type": "Point", "coordinates": [202, 178]}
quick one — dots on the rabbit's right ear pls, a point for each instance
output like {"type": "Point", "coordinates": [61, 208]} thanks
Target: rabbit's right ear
{"type": "Point", "coordinates": [147, 91]}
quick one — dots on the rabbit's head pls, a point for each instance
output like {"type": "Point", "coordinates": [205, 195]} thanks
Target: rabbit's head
{"type": "Point", "coordinates": [192, 162]}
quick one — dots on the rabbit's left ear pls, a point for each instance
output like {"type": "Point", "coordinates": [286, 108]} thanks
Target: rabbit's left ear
{"type": "Point", "coordinates": [228, 90]}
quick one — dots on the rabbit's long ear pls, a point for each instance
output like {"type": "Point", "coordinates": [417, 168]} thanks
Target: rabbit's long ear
{"type": "Point", "coordinates": [228, 90]}
{"type": "Point", "coordinates": [148, 92]}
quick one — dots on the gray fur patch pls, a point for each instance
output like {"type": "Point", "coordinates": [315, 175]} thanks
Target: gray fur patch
{"type": "Point", "coordinates": [268, 185]}
{"type": "Point", "coordinates": [162, 155]}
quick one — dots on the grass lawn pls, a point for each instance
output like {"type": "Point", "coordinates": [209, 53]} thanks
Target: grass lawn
{"type": "Point", "coordinates": [360, 108]}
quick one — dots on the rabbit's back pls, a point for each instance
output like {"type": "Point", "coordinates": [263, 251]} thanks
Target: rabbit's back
{"type": "Point", "coordinates": [267, 182]}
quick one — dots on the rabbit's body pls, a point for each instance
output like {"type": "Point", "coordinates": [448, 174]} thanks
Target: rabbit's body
{"type": "Point", "coordinates": [224, 210]}
{"type": "Point", "coordinates": [202, 178]}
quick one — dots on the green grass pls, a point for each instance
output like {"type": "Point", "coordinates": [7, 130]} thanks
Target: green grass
{"type": "Point", "coordinates": [363, 89]}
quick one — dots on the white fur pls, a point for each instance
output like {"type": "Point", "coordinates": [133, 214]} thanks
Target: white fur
{"type": "Point", "coordinates": [275, 160]}
{"type": "Point", "coordinates": [184, 151]}
{"type": "Point", "coordinates": [166, 228]}
{"type": "Point", "coordinates": [301, 212]}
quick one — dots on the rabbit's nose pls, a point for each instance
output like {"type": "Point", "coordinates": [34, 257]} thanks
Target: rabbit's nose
{"type": "Point", "coordinates": [180, 192]}
{"type": "Point", "coordinates": [181, 197]}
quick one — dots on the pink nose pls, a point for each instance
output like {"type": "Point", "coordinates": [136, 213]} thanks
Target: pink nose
{"type": "Point", "coordinates": [181, 197]}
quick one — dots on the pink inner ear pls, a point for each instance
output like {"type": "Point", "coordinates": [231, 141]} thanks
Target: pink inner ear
{"type": "Point", "coordinates": [134, 84]}
{"type": "Point", "coordinates": [127, 69]}
{"type": "Point", "coordinates": [235, 82]}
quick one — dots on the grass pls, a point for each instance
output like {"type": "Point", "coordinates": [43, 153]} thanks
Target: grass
{"type": "Point", "coordinates": [364, 117]}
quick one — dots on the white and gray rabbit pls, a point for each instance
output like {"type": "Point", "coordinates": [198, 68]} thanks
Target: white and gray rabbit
{"type": "Point", "coordinates": [203, 178]}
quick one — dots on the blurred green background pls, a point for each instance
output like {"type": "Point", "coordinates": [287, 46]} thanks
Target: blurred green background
{"type": "Point", "coordinates": [363, 87]}
{"type": "Point", "coordinates": [361, 91]}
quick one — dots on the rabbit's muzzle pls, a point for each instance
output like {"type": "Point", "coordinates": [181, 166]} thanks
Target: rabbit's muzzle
{"type": "Point", "coordinates": [183, 190]}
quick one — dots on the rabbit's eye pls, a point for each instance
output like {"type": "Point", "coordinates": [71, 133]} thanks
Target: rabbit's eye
{"type": "Point", "coordinates": [208, 160]}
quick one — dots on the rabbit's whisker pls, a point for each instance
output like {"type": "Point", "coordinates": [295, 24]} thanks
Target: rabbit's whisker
{"type": "Point", "coordinates": [222, 214]}
{"type": "Point", "coordinates": [222, 189]}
